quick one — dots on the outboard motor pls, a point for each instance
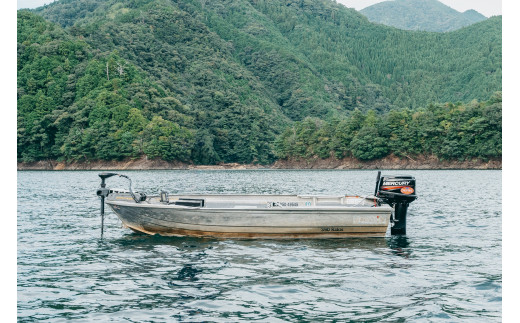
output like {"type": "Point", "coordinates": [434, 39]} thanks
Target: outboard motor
{"type": "Point", "coordinates": [398, 191]}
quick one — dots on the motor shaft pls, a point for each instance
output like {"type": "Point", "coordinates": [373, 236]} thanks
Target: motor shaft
{"type": "Point", "coordinates": [102, 214]}
{"type": "Point", "coordinates": [103, 192]}
{"type": "Point", "coordinates": [399, 225]}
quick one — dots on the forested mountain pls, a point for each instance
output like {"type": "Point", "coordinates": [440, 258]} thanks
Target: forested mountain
{"type": "Point", "coordinates": [448, 131]}
{"type": "Point", "coordinates": [219, 81]}
{"type": "Point", "coordinates": [425, 15]}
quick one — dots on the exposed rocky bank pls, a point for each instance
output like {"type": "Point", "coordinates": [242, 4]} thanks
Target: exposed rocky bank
{"type": "Point", "coordinates": [389, 162]}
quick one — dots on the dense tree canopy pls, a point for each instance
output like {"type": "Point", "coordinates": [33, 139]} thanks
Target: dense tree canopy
{"type": "Point", "coordinates": [449, 131]}
{"type": "Point", "coordinates": [243, 81]}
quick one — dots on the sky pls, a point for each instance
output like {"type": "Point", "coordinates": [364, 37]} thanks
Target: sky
{"type": "Point", "coordinates": [32, 3]}
{"type": "Point", "coordinates": [486, 7]}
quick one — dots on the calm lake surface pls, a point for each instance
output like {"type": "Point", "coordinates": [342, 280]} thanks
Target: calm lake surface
{"type": "Point", "coordinates": [447, 268]}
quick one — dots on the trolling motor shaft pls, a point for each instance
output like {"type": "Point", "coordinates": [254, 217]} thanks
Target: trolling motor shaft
{"type": "Point", "coordinates": [103, 192]}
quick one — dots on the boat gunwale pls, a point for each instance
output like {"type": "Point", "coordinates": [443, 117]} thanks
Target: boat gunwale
{"type": "Point", "coordinates": [340, 208]}
{"type": "Point", "coordinates": [305, 196]}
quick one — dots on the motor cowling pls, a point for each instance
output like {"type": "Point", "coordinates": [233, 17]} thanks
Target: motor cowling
{"type": "Point", "coordinates": [398, 191]}
{"type": "Point", "coordinates": [397, 188]}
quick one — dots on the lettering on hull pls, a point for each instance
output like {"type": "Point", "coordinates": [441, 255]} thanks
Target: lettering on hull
{"type": "Point", "coordinates": [331, 229]}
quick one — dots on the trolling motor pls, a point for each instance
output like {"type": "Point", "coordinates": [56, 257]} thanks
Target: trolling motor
{"type": "Point", "coordinates": [103, 192]}
{"type": "Point", "coordinates": [398, 192]}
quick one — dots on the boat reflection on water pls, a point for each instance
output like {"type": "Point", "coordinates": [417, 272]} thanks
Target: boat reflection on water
{"type": "Point", "coordinates": [195, 248]}
{"type": "Point", "coordinates": [399, 246]}
{"type": "Point", "coordinates": [139, 241]}
{"type": "Point", "coordinates": [142, 241]}
{"type": "Point", "coordinates": [337, 244]}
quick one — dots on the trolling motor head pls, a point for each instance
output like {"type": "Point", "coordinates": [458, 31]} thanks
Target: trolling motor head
{"type": "Point", "coordinates": [106, 175]}
{"type": "Point", "coordinates": [398, 191]}
{"type": "Point", "coordinates": [103, 191]}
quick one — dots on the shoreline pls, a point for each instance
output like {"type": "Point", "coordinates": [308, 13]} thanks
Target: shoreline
{"type": "Point", "coordinates": [388, 162]}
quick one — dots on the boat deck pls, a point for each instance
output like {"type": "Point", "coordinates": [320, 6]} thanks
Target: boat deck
{"type": "Point", "coordinates": [241, 201]}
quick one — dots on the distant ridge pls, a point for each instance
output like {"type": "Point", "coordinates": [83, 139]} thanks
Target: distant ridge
{"type": "Point", "coordinates": [425, 15]}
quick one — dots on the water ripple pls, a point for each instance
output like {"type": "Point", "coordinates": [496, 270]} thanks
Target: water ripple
{"type": "Point", "coordinates": [448, 267]}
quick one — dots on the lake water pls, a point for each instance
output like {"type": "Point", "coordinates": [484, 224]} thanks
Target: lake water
{"type": "Point", "coordinates": [447, 268]}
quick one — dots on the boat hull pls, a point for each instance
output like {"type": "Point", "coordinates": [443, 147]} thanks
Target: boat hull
{"type": "Point", "coordinates": [289, 223]}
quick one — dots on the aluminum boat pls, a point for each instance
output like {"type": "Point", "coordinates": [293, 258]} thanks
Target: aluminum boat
{"type": "Point", "coordinates": [264, 216]}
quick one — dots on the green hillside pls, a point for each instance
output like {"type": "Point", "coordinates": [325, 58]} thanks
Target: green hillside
{"type": "Point", "coordinates": [448, 131]}
{"type": "Point", "coordinates": [220, 81]}
{"type": "Point", "coordinates": [425, 15]}
{"type": "Point", "coordinates": [76, 103]}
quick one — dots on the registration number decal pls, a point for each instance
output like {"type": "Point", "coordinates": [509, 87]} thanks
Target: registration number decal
{"type": "Point", "coordinates": [281, 204]}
